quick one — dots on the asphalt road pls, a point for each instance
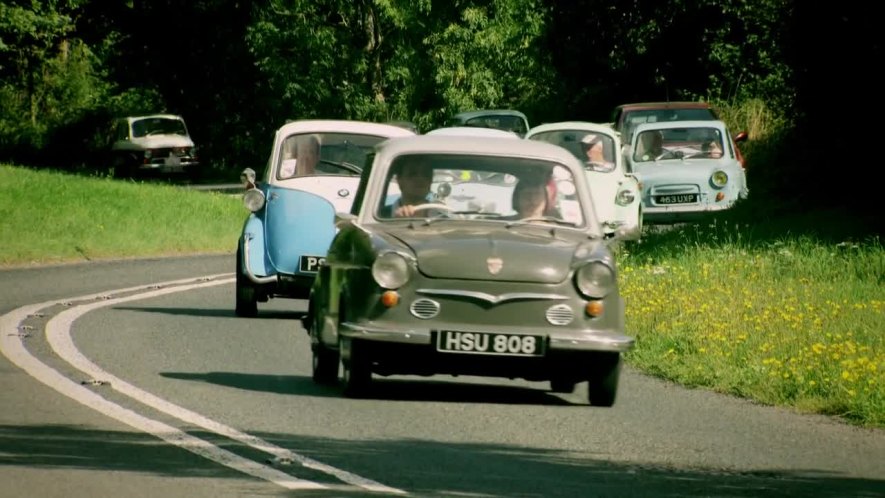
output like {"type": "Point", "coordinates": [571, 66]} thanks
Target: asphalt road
{"type": "Point", "coordinates": [159, 390]}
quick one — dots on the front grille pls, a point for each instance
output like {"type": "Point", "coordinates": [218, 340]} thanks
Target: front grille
{"type": "Point", "coordinates": [560, 314]}
{"type": "Point", "coordinates": [424, 308]}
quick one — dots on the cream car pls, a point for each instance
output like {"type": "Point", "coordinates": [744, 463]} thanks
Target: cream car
{"type": "Point", "coordinates": [615, 189]}
{"type": "Point", "coordinates": [153, 145]}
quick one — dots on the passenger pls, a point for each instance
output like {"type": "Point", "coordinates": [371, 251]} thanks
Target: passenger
{"type": "Point", "coordinates": [712, 149]}
{"type": "Point", "coordinates": [530, 200]}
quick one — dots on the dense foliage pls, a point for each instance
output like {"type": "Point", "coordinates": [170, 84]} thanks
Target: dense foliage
{"type": "Point", "coordinates": [237, 70]}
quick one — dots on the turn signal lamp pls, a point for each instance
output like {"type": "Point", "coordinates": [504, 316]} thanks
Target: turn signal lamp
{"type": "Point", "coordinates": [389, 299]}
{"type": "Point", "coordinates": [720, 196]}
{"type": "Point", "coordinates": [594, 308]}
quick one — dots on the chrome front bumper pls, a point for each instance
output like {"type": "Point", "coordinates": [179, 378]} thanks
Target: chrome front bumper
{"type": "Point", "coordinates": [591, 341]}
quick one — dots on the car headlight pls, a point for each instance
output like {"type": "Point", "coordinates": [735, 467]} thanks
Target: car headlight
{"type": "Point", "coordinates": [595, 279]}
{"type": "Point", "coordinates": [391, 270]}
{"type": "Point", "coordinates": [719, 178]}
{"type": "Point", "coordinates": [625, 197]}
{"type": "Point", "coordinates": [253, 199]}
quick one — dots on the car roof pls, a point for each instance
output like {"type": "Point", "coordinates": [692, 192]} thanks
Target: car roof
{"type": "Point", "coordinates": [665, 105]}
{"type": "Point", "coordinates": [472, 131]}
{"type": "Point", "coordinates": [495, 146]}
{"type": "Point", "coordinates": [343, 126]}
{"type": "Point", "coordinates": [604, 128]}
{"type": "Point", "coordinates": [489, 112]}
{"type": "Point", "coordinates": [152, 116]}
{"type": "Point", "coordinates": [666, 125]}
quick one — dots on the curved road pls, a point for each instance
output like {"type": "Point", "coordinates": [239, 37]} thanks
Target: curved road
{"type": "Point", "coordinates": [133, 378]}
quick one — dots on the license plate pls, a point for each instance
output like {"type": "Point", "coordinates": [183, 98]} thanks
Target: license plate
{"type": "Point", "coordinates": [677, 199]}
{"type": "Point", "coordinates": [449, 341]}
{"type": "Point", "coordinates": [311, 264]}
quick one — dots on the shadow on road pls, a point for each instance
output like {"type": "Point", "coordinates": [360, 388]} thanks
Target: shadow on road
{"type": "Point", "coordinates": [420, 390]}
{"type": "Point", "coordinates": [420, 467]}
{"type": "Point", "coordinates": [213, 312]}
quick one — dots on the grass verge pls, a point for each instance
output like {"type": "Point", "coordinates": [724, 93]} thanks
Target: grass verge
{"type": "Point", "coordinates": [51, 217]}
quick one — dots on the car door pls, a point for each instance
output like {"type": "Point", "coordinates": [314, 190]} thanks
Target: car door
{"type": "Point", "coordinates": [299, 227]}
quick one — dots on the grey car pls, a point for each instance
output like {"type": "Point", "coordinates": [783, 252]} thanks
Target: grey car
{"type": "Point", "coordinates": [470, 286]}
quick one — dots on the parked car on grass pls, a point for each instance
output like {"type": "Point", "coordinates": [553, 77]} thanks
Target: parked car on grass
{"type": "Point", "coordinates": [486, 290]}
{"type": "Point", "coordinates": [614, 188]}
{"type": "Point", "coordinates": [312, 172]}
{"type": "Point", "coordinates": [687, 170]}
{"type": "Point", "coordinates": [499, 119]}
{"type": "Point", "coordinates": [626, 117]}
{"type": "Point", "coordinates": [153, 145]}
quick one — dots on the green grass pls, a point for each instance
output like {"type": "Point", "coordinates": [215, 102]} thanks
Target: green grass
{"type": "Point", "coordinates": [779, 309]}
{"type": "Point", "coordinates": [51, 217]}
{"type": "Point", "coordinates": [792, 320]}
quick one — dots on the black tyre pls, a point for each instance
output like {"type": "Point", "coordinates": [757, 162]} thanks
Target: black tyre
{"type": "Point", "coordinates": [246, 299]}
{"type": "Point", "coordinates": [325, 365]}
{"type": "Point", "coordinates": [325, 360]}
{"type": "Point", "coordinates": [605, 371]}
{"type": "Point", "coordinates": [357, 371]}
{"type": "Point", "coordinates": [122, 167]}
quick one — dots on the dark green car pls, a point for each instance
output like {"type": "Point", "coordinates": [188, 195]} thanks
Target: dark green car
{"type": "Point", "coordinates": [470, 256]}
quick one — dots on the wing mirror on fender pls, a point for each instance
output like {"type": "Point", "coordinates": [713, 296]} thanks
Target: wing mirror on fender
{"type": "Point", "coordinates": [247, 178]}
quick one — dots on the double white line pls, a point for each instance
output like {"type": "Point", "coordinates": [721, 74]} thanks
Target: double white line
{"type": "Point", "coordinates": [59, 337]}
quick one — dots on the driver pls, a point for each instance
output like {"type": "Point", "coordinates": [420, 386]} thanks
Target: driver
{"type": "Point", "coordinates": [594, 149]}
{"type": "Point", "coordinates": [414, 179]}
{"type": "Point", "coordinates": [301, 157]}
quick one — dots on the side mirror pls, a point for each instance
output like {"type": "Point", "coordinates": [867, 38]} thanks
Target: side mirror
{"type": "Point", "coordinates": [443, 190]}
{"type": "Point", "coordinates": [624, 231]}
{"type": "Point", "coordinates": [247, 178]}
{"type": "Point", "coordinates": [741, 137]}
{"type": "Point", "coordinates": [343, 217]}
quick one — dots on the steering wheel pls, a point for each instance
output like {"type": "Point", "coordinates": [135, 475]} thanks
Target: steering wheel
{"type": "Point", "coordinates": [343, 165]}
{"type": "Point", "coordinates": [431, 205]}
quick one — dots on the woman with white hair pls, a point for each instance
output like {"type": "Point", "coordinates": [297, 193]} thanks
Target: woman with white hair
{"type": "Point", "coordinates": [302, 156]}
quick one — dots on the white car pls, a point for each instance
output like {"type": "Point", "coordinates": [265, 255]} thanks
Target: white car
{"type": "Point", "coordinates": [614, 188]}
{"type": "Point", "coordinates": [472, 131]}
{"type": "Point", "coordinates": [155, 144]}
{"type": "Point", "coordinates": [689, 170]}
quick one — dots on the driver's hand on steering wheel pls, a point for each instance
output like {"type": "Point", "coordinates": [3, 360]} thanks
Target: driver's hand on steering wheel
{"type": "Point", "coordinates": [406, 211]}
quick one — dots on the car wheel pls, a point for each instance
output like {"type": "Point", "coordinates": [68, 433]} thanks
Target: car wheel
{"type": "Point", "coordinates": [122, 169]}
{"type": "Point", "coordinates": [325, 360]}
{"type": "Point", "coordinates": [605, 371]}
{"type": "Point", "coordinates": [246, 301]}
{"type": "Point", "coordinates": [357, 371]}
{"type": "Point", "coordinates": [325, 365]}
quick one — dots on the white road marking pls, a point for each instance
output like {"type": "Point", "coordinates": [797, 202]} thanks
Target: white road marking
{"type": "Point", "coordinates": [58, 334]}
